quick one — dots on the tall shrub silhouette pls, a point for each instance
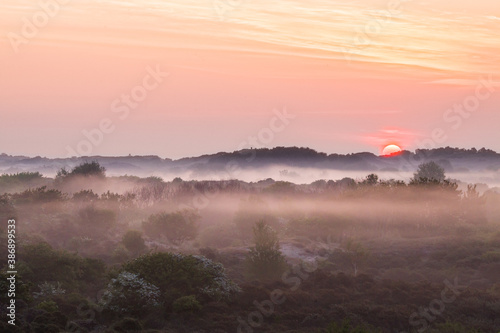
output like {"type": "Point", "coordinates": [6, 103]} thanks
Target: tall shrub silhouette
{"type": "Point", "coordinates": [265, 258]}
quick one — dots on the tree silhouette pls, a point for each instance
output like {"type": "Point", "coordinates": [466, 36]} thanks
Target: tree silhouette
{"type": "Point", "coordinates": [265, 258]}
{"type": "Point", "coordinates": [356, 254]}
{"type": "Point", "coordinates": [429, 172]}
{"type": "Point", "coordinates": [371, 179]}
{"type": "Point", "coordinates": [86, 169]}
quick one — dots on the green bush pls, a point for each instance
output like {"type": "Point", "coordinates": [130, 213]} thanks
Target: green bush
{"type": "Point", "coordinates": [23, 287]}
{"type": "Point", "coordinates": [186, 304]}
{"type": "Point", "coordinates": [38, 195]}
{"type": "Point", "coordinates": [49, 306]}
{"type": "Point", "coordinates": [85, 195]}
{"type": "Point", "coordinates": [10, 183]}
{"type": "Point", "coordinates": [7, 210]}
{"type": "Point", "coordinates": [130, 294]}
{"type": "Point", "coordinates": [127, 325]}
{"type": "Point", "coordinates": [71, 303]}
{"type": "Point", "coordinates": [85, 169]}
{"type": "Point", "coordinates": [178, 275]}
{"type": "Point", "coordinates": [40, 263]}
{"type": "Point", "coordinates": [49, 322]}
{"type": "Point", "coordinates": [265, 258]}
{"type": "Point", "coordinates": [8, 328]}
{"type": "Point", "coordinates": [120, 254]}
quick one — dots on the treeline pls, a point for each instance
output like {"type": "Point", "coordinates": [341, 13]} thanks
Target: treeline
{"type": "Point", "coordinates": [348, 255]}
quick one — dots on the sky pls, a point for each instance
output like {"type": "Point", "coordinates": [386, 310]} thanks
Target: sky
{"type": "Point", "coordinates": [183, 77]}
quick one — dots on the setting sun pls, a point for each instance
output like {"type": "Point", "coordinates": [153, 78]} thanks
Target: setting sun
{"type": "Point", "coordinates": [390, 150]}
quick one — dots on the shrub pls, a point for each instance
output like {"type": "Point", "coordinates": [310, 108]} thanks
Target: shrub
{"type": "Point", "coordinates": [127, 325]}
{"type": "Point", "coordinates": [10, 183]}
{"type": "Point", "coordinates": [38, 195]}
{"type": "Point", "coordinates": [49, 322]}
{"type": "Point", "coordinates": [71, 302]}
{"type": "Point", "coordinates": [85, 169]}
{"type": "Point", "coordinates": [186, 304]}
{"type": "Point", "coordinates": [178, 275]}
{"type": "Point", "coordinates": [130, 294]}
{"type": "Point", "coordinates": [48, 290]}
{"type": "Point", "coordinates": [120, 254]}
{"type": "Point", "coordinates": [7, 211]}
{"type": "Point", "coordinates": [20, 177]}
{"type": "Point", "coordinates": [176, 227]}
{"type": "Point", "coordinates": [49, 306]}
{"type": "Point", "coordinates": [85, 195]}
{"type": "Point", "coordinates": [265, 258]}
{"type": "Point", "coordinates": [23, 285]}
{"type": "Point", "coordinates": [40, 263]}
{"type": "Point", "coordinates": [111, 197]}
{"type": "Point", "coordinates": [430, 171]}
{"type": "Point", "coordinates": [355, 253]}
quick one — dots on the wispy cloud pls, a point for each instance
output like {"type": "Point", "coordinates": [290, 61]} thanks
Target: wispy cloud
{"type": "Point", "coordinates": [444, 43]}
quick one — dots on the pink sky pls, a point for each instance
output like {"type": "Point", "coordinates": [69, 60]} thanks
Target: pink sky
{"type": "Point", "coordinates": [356, 75]}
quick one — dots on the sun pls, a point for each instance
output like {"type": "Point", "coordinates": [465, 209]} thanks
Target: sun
{"type": "Point", "coordinates": [391, 150]}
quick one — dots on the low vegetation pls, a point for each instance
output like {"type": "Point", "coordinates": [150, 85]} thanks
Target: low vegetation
{"type": "Point", "coordinates": [350, 255]}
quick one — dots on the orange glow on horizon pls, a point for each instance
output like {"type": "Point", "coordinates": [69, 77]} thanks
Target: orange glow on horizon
{"type": "Point", "coordinates": [343, 79]}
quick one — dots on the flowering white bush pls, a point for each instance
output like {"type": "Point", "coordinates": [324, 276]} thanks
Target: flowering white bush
{"type": "Point", "coordinates": [49, 289]}
{"type": "Point", "coordinates": [129, 293]}
{"type": "Point", "coordinates": [221, 287]}
{"type": "Point", "coordinates": [183, 275]}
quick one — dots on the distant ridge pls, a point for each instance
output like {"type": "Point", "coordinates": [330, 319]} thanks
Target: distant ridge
{"type": "Point", "coordinates": [452, 159]}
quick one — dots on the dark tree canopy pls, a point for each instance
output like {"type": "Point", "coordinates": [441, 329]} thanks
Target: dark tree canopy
{"type": "Point", "coordinates": [178, 275]}
{"type": "Point", "coordinates": [265, 258]}
{"type": "Point", "coordinates": [85, 169]}
{"type": "Point", "coordinates": [430, 171]}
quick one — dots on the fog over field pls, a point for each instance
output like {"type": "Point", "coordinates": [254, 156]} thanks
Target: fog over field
{"type": "Point", "coordinates": [298, 165]}
{"type": "Point", "coordinates": [249, 166]}
{"type": "Point", "coordinates": [365, 253]}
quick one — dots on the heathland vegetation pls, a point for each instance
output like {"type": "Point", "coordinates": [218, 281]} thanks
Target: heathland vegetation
{"type": "Point", "coordinates": [123, 254]}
